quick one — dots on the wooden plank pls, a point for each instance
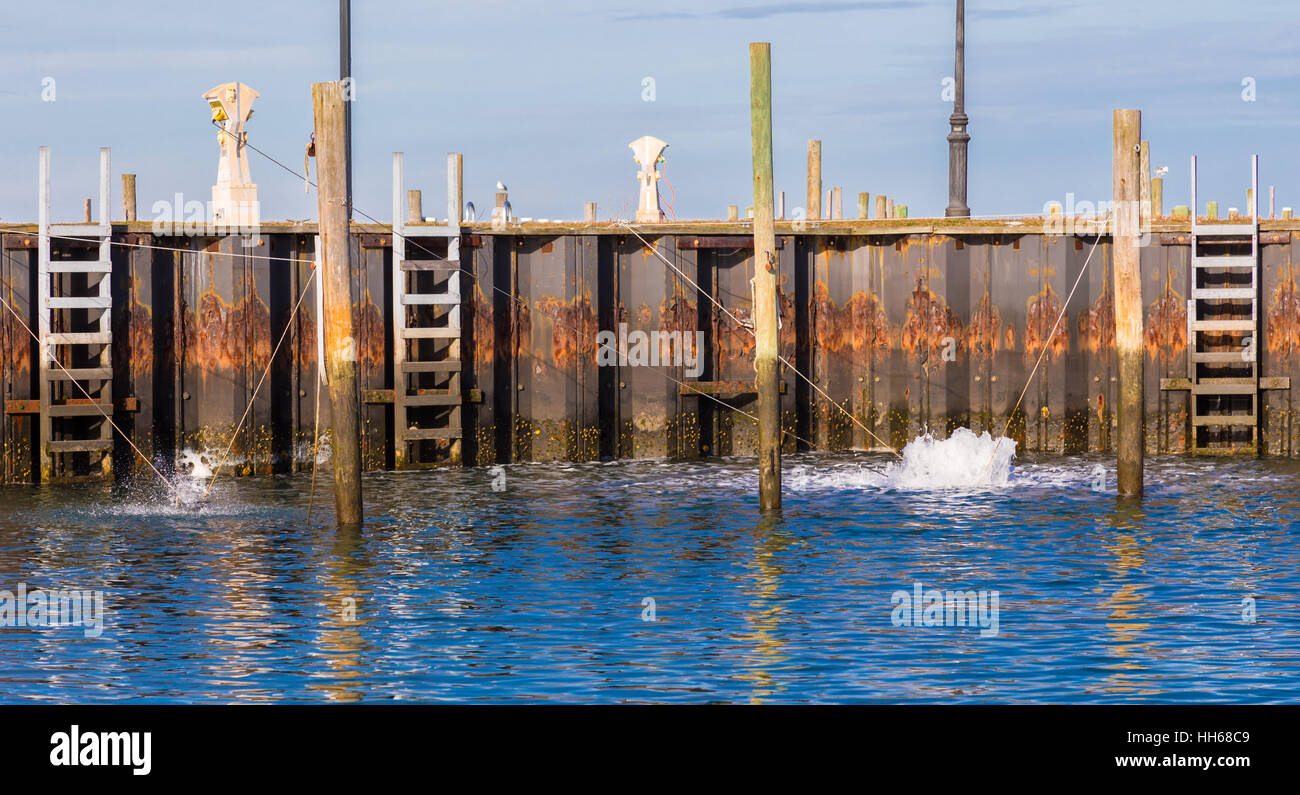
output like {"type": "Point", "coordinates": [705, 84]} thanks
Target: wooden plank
{"type": "Point", "coordinates": [81, 266]}
{"type": "Point", "coordinates": [427, 299]}
{"type": "Point", "coordinates": [1223, 262]}
{"type": "Point", "coordinates": [80, 445]}
{"type": "Point", "coordinates": [1224, 230]}
{"type": "Point", "coordinates": [80, 409]}
{"type": "Point", "coordinates": [1224, 293]}
{"type": "Point", "coordinates": [80, 338]}
{"type": "Point", "coordinates": [80, 230]}
{"type": "Point", "coordinates": [1225, 389]}
{"type": "Point", "coordinates": [415, 434]}
{"type": "Point", "coordinates": [445, 366]}
{"type": "Point", "coordinates": [1235, 420]}
{"type": "Point", "coordinates": [82, 374]}
{"type": "Point", "coordinates": [80, 302]}
{"type": "Point", "coordinates": [438, 333]}
{"type": "Point", "coordinates": [1223, 325]}
{"type": "Point", "coordinates": [433, 400]}
{"type": "Point", "coordinates": [429, 265]}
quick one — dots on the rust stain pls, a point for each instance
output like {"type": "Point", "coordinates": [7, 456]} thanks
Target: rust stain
{"type": "Point", "coordinates": [484, 329]}
{"type": "Point", "coordinates": [1165, 328]}
{"type": "Point", "coordinates": [1039, 322]}
{"type": "Point", "coordinates": [573, 330]}
{"type": "Point", "coordinates": [982, 336]}
{"type": "Point", "coordinates": [1009, 338]}
{"type": "Point", "coordinates": [226, 337]}
{"type": "Point", "coordinates": [140, 337]}
{"type": "Point", "coordinates": [676, 316]}
{"type": "Point", "coordinates": [860, 326]}
{"type": "Point", "coordinates": [368, 326]}
{"type": "Point", "coordinates": [1283, 324]}
{"type": "Point", "coordinates": [1097, 323]}
{"type": "Point", "coordinates": [930, 322]}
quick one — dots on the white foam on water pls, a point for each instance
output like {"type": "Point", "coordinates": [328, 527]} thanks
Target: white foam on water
{"type": "Point", "coordinates": [962, 461]}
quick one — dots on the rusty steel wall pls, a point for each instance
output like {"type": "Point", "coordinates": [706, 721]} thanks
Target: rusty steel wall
{"type": "Point", "coordinates": [898, 334]}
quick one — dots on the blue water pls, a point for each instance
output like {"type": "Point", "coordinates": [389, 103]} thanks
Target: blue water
{"type": "Point", "coordinates": [464, 593]}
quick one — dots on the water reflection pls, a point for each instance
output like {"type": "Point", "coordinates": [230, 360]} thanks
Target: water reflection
{"type": "Point", "coordinates": [534, 593]}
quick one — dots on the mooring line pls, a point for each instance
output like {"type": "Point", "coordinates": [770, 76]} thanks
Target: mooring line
{"type": "Point", "coordinates": [738, 322]}
{"type": "Point", "coordinates": [93, 402]}
{"type": "Point", "coordinates": [270, 362]}
{"type": "Point", "coordinates": [1047, 342]}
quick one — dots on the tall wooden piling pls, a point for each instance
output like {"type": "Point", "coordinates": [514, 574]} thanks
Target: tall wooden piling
{"type": "Point", "coordinates": [336, 288]}
{"type": "Point", "coordinates": [128, 197]}
{"type": "Point", "coordinates": [881, 206]}
{"type": "Point", "coordinates": [864, 206]}
{"type": "Point", "coordinates": [455, 189]}
{"type": "Point", "coordinates": [765, 314]}
{"type": "Point", "coordinates": [1126, 186]}
{"type": "Point", "coordinates": [1144, 177]}
{"type": "Point", "coordinates": [814, 180]}
{"type": "Point", "coordinates": [589, 212]}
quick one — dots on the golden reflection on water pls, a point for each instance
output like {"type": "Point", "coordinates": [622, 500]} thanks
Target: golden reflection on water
{"type": "Point", "coordinates": [341, 641]}
{"type": "Point", "coordinates": [1125, 619]}
{"type": "Point", "coordinates": [765, 613]}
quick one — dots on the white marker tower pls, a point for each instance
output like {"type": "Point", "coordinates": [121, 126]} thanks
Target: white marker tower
{"type": "Point", "coordinates": [648, 153]}
{"type": "Point", "coordinates": [234, 197]}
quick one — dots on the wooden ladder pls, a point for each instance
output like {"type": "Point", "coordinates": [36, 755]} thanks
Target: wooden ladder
{"type": "Point", "coordinates": [69, 422]}
{"type": "Point", "coordinates": [1223, 329]}
{"type": "Point", "coordinates": [427, 393]}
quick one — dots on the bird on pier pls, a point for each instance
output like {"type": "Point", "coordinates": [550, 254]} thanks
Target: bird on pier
{"type": "Point", "coordinates": [501, 185]}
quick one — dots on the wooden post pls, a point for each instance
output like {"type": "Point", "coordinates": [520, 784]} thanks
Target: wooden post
{"type": "Point", "coordinates": [1212, 210]}
{"type": "Point", "coordinates": [780, 205]}
{"type": "Point", "coordinates": [1158, 197]}
{"type": "Point", "coordinates": [88, 211]}
{"type": "Point", "coordinates": [1271, 196]}
{"type": "Point", "coordinates": [414, 207]}
{"type": "Point", "coordinates": [128, 197]}
{"type": "Point", "coordinates": [814, 180]}
{"type": "Point", "coordinates": [765, 314]}
{"type": "Point", "coordinates": [1144, 171]}
{"type": "Point", "coordinates": [864, 206]}
{"type": "Point", "coordinates": [1126, 186]}
{"type": "Point", "coordinates": [889, 207]}
{"type": "Point", "coordinates": [837, 204]}
{"type": "Point", "coordinates": [589, 212]}
{"type": "Point", "coordinates": [336, 286]}
{"type": "Point", "coordinates": [881, 206]}
{"type": "Point", "coordinates": [455, 191]}
{"type": "Point", "coordinates": [733, 212]}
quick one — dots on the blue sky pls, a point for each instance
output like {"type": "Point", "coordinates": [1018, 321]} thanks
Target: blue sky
{"type": "Point", "coordinates": [545, 96]}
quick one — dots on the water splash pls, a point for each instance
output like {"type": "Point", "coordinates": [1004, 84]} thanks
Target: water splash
{"type": "Point", "coordinates": [962, 461]}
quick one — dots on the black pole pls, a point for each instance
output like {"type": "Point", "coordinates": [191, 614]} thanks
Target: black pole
{"type": "Point", "coordinates": [958, 138]}
{"type": "Point", "coordinates": [345, 74]}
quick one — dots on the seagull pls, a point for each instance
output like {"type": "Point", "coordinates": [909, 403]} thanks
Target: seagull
{"type": "Point", "coordinates": [501, 185]}
{"type": "Point", "coordinates": [1162, 170]}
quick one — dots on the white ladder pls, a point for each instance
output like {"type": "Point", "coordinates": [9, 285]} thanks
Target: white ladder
{"type": "Point", "coordinates": [1224, 382]}
{"type": "Point", "coordinates": [440, 403]}
{"type": "Point", "coordinates": [69, 423]}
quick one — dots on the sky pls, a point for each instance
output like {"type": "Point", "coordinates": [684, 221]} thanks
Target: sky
{"type": "Point", "coordinates": [546, 97]}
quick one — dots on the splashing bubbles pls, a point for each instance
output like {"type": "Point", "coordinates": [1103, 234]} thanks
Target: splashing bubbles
{"type": "Point", "coordinates": [962, 461]}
